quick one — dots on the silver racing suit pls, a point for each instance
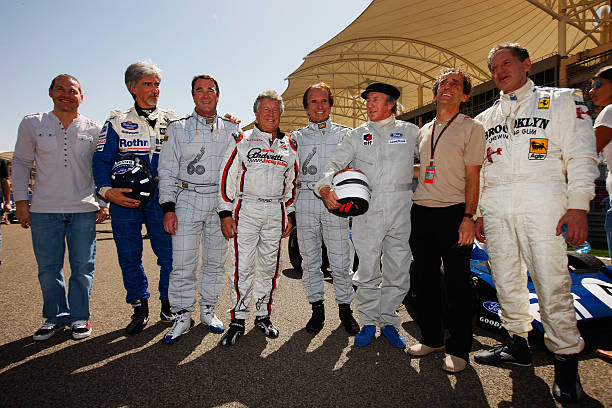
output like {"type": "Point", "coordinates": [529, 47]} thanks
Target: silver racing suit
{"type": "Point", "coordinates": [258, 186]}
{"type": "Point", "coordinates": [540, 162]}
{"type": "Point", "coordinates": [385, 152]}
{"type": "Point", "coordinates": [189, 184]}
{"type": "Point", "coordinates": [316, 143]}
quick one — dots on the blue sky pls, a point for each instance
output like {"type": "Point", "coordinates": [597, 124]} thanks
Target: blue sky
{"type": "Point", "coordinates": [248, 46]}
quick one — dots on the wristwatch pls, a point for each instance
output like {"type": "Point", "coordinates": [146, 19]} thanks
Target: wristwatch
{"type": "Point", "coordinates": [468, 215]}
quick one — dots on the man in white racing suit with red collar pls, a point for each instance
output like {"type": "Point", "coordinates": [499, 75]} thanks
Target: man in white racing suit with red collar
{"type": "Point", "coordinates": [538, 175]}
{"type": "Point", "coordinates": [383, 149]}
{"type": "Point", "coordinates": [257, 194]}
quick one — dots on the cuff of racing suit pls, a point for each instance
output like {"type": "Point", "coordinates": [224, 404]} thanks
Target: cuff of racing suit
{"type": "Point", "coordinates": [317, 189]}
{"type": "Point", "coordinates": [168, 207]}
{"type": "Point", "coordinates": [103, 190]}
{"type": "Point", "coordinates": [577, 201]}
{"type": "Point", "coordinates": [225, 214]}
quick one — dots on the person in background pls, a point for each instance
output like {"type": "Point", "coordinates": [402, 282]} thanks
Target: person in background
{"type": "Point", "coordinates": [64, 209]}
{"type": "Point", "coordinates": [601, 95]}
{"type": "Point", "coordinates": [5, 187]}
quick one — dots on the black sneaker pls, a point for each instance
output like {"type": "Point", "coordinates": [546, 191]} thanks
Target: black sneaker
{"type": "Point", "coordinates": [514, 351]}
{"type": "Point", "coordinates": [231, 336]}
{"type": "Point", "coordinates": [166, 314]}
{"type": "Point", "coordinates": [266, 326]}
{"type": "Point", "coordinates": [346, 318]}
{"type": "Point", "coordinates": [315, 324]}
{"type": "Point", "coordinates": [80, 329]}
{"type": "Point", "coordinates": [47, 330]}
{"type": "Point", "coordinates": [567, 387]}
{"type": "Point", "coordinates": [140, 318]}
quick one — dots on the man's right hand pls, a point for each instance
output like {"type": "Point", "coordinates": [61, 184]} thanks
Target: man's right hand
{"type": "Point", "coordinates": [480, 236]}
{"type": "Point", "coordinates": [329, 198]}
{"type": "Point", "coordinates": [117, 196]}
{"type": "Point", "coordinates": [228, 227]}
{"type": "Point", "coordinates": [22, 213]}
{"type": "Point", "coordinates": [170, 222]}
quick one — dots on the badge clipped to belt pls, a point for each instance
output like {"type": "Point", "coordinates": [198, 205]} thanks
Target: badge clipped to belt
{"type": "Point", "coordinates": [430, 171]}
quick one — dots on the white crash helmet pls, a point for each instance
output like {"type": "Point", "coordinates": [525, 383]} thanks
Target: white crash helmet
{"type": "Point", "coordinates": [353, 190]}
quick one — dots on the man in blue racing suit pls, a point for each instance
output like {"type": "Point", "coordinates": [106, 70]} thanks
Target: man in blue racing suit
{"type": "Point", "coordinates": [141, 131]}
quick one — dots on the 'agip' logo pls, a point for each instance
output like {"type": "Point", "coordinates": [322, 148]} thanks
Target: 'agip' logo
{"type": "Point", "coordinates": [538, 148]}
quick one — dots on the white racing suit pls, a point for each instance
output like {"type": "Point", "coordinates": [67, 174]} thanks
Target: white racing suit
{"type": "Point", "coordinates": [540, 162]}
{"type": "Point", "coordinates": [189, 185]}
{"type": "Point", "coordinates": [258, 184]}
{"type": "Point", "coordinates": [315, 144]}
{"type": "Point", "coordinates": [385, 152]}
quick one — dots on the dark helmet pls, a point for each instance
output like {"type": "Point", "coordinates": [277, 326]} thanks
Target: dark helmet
{"type": "Point", "coordinates": [133, 172]}
{"type": "Point", "coordinates": [353, 191]}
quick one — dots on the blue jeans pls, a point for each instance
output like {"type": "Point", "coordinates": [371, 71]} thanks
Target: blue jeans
{"type": "Point", "coordinates": [50, 233]}
{"type": "Point", "coordinates": [608, 229]}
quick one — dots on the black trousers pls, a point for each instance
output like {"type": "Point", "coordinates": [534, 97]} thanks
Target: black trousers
{"type": "Point", "coordinates": [435, 232]}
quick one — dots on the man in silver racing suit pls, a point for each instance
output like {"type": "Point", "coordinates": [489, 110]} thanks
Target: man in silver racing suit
{"type": "Point", "coordinates": [383, 149]}
{"type": "Point", "coordinates": [316, 143]}
{"type": "Point", "coordinates": [537, 177]}
{"type": "Point", "coordinates": [188, 193]}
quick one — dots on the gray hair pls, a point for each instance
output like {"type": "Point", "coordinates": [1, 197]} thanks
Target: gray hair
{"type": "Point", "coordinates": [269, 94]}
{"type": "Point", "coordinates": [392, 100]}
{"type": "Point", "coordinates": [140, 69]}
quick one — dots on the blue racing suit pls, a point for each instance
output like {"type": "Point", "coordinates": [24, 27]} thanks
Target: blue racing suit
{"type": "Point", "coordinates": [124, 133]}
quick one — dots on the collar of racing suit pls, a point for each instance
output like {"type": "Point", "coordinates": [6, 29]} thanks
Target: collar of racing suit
{"type": "Point", "coordinates": [150, 115]}
{"type": "Point", "coordinates": [520, 93]}
{"type": "Point", "coordinates": [384, 122]}
{"type": "Point", "coordinates": [279, 134]}
{"type": "Point", "coordinates": [320, 125]}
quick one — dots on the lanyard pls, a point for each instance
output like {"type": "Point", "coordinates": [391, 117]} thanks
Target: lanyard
{"type": "Point", "coordinates": [433, 132]}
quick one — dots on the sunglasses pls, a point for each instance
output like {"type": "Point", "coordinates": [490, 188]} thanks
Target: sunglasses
{"type": "Point", "coordinates": [596, 84]}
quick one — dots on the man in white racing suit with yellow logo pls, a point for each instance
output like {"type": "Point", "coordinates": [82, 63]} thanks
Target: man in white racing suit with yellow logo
{"type": "Point", "coordinates": [537, 176]}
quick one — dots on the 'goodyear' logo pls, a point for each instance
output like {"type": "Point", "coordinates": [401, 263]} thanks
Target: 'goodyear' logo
{"type": "Point", "coordinates": [538, 148]}
{"type": "Point", "coordinates": [543, 103]}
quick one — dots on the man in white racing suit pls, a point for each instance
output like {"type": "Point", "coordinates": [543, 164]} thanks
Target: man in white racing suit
{"type": "Point", "coordinates": [316, 143]}
{"type": "Point", "coordinates": [188, 193]}
{"type": "Point", "coordinates": [257, 193]}
{"type": "Point", "coordinates": [383, 149]}
{"type": "Point", "coordinates": [537, 176]}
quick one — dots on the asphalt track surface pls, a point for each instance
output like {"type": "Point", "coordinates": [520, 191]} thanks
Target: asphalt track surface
{"type": "Point", "coordinates": [297, 369]}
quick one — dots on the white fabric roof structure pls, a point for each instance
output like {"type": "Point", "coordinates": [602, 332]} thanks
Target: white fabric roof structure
{"type": "Point", "coordinates": [407, 43]}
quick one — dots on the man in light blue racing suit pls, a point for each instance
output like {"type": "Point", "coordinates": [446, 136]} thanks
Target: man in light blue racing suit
{"type": "Point", "coordinates": [141, 131]}
{"type": "Point", "coordinates": [383, 149]}
{"type": "Point", "coordinates": [316, 143]}
{"type": "Point", "coordinates": [188, 193]}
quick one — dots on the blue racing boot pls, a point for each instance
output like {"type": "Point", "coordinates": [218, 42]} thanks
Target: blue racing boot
{"type": "Point", "coordinates": [395, 339]}
{"type": "Point", "coordinates": [364, 337]}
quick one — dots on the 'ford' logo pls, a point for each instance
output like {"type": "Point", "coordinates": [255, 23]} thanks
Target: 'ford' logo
{"type": "Point", "coordinates": [129, 125]}
{"type": "Point", "coordinates": [396, 135]}
{"type": "Point", "coordinates": [492, 307]}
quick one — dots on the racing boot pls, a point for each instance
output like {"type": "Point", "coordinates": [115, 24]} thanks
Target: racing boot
{"type": "Point", "coordinates": [514, 351]}
{"type": "Point", "coordinates": [166, 314]}
{"type": "Point", "coordinates": [235, 331]}
{"type": "Point", "coordinates": [182, 324]}
{"type": "Point", "coordinates": [567, 386]}
{"type": "Point", "coordinates": [265, 325]}
{"type": "Point", "coordinates": [315, 324]}
{"type": "Point", "coordinates": [210, 319]}
{"type": "Point", "coordinates": [346, 318]}
{"type": "Point", "coordinates": [365, 335]}
{"type": "Point", "coordinates": [140, 318]}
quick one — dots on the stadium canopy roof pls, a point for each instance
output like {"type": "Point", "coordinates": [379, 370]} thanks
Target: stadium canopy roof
{"type": "Point", "coordinates": [408, 42]}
